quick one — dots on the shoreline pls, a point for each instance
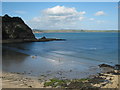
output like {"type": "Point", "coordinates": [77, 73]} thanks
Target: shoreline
{"type": "Point", "coordinates": [102, 80]}
{"type": "Point", "coordinates": [30, 40]}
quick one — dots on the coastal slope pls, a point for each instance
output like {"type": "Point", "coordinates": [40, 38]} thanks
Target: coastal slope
{"type": "Point", "coordinates": [15, 28]}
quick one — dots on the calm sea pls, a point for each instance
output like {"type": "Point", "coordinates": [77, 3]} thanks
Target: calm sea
{"type": "Point", "coordinates": [77, 57]}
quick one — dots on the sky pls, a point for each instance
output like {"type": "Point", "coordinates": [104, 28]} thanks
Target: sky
{"type": "Point", "coordinates": [60, 0]}
{"type": "Point", "coordinates": [65, 15]}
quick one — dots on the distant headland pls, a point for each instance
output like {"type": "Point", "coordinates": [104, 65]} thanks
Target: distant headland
{"type": "Point", "coordinates": [74, 31]}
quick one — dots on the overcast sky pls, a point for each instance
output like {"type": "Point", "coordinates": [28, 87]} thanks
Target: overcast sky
{"type": "Point", "coordinates": [65, 15]}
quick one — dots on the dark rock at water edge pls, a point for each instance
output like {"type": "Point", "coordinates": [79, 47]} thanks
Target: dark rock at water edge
{"type": "Point", "coordinates": [15, 28]}
{"type": "Point", "coordinates": [105, 65]}
{"type": "Point", "coordinates": [43, 37]}
{"type": "Point", "coordinates": [117, 66]}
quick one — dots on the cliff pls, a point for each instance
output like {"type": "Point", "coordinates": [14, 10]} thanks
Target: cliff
{"type": "Point", "coordinates": [15, 28]}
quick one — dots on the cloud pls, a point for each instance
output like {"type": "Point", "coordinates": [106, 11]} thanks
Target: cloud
{"type": "Point", "coordinates": [99, 13]}
{"type": "Point", "coordinates": [81, 18]}
{"type": "Point", "coordinates": [57, 17]}
{"type": "Point", "coordinates": [20, 12]}
{"type": "Point", "coordinates": [91, 19]}
{"type": "Point", "coordinates": [82, 13]}
{"type": "Point", "coordinates": [60, 10]}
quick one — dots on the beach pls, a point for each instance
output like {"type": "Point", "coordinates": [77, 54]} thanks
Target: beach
{"type": "Point", "coordinates": [60, 45]}
{"type": "Point", "coordinates": [61, 64]}
{"type": "Point", "coordinates": [14, 80]}
{"type": "Point", "coordinates": [17, 80]}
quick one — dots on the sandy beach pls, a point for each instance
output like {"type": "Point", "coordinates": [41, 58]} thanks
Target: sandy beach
{"type": "Point", "coordinates": [17, 80]}
{"type": "Point", "coordinates": [14, 80]}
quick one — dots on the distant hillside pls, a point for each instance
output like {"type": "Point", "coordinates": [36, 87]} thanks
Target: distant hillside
{"type": "Point", "coordinates": [57, 31]}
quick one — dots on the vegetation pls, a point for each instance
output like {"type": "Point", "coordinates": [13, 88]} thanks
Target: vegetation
{"type": "Point", "coordinates": [76, 83]}
{"type": "Point", "coordinates": [56, 82]}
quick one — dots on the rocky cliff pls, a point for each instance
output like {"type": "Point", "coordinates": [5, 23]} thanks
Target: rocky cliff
{"type": "Point", "coordinates": [15, 28]}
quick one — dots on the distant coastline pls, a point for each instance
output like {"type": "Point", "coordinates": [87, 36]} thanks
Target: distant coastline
{"type": "Point", "coordinates": [76, 31]}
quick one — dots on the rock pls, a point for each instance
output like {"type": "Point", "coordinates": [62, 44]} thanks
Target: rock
{"type": "Point", "coordinates": [43, 37]}
{"type": "Point", "coordinates": [103, 84]}
{"type": "Point", "coordinates": [105, 65]}
{"type": "Point", "coordinates": [33, 56]}
{"type": "Point", "coordinates": [30, 86]}
{"type": "Point", "coordinates": [108, 78]}
{"type": "Point", "coordinates": [15, 28]}
{"type": "Point", "coordinates": [117, 66]}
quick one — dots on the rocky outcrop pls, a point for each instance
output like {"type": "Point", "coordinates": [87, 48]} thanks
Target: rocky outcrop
{"type": "Point", "coordinates": [15, 28]}
{"type": "Point", "coordinates": [106, 65]}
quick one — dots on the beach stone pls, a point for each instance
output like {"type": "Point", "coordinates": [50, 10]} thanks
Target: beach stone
{"type": "Point", "coordinates": [30, 86]}
{"type": "Point", "coordinates": [104, 84]}
{"type": "Point", "coordinates": [33, 56]}
{"type": "Point", "coordinates": [108, 78]}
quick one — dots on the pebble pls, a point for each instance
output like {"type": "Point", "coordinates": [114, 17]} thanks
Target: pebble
{"type": "Point", "coordinates": [108, 78]}
{"type": "Point", "coordinates": [33, 56]}
{"type": "Point", "coordinates": [30, 86]}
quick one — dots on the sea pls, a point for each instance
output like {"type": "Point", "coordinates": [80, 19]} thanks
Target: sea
{"type": "Point", "coordinates": [76, 57]}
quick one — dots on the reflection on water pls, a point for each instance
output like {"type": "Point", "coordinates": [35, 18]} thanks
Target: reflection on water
{"type": "Point", "coordinates": [11, 58]}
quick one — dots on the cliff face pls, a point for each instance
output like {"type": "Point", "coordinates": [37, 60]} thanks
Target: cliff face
{"type": "Point", "coordinates": [15, 28]}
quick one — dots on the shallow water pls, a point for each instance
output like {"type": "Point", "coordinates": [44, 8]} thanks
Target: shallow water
{"type": "Point", "coordinates": [77, 57]}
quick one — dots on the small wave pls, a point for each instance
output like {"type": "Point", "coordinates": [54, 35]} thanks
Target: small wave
{"type": "Point", "coordinates": [70, 54]}
{"type": "Point", "coordinates": [93, 48]}
{"type": "Point", "coordinates": [63, 52]}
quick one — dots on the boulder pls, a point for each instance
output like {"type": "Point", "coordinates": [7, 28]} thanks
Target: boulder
{"type": "Point", "coordinates": [117, 66]}
{"type": "Point", "coordinates": [43, 37]}
{"type": "Point", "coordinates": [105, 65]}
